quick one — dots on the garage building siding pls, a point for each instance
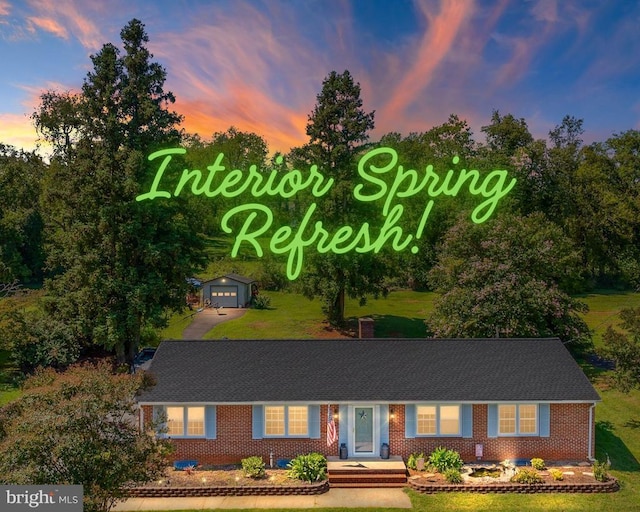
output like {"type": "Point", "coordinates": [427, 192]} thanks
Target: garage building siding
{"type": "Point", "coordinates": [228, 291]}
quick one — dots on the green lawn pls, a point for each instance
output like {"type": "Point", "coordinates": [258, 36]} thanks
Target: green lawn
{"type": "Point", "coordinates": [604, 306]}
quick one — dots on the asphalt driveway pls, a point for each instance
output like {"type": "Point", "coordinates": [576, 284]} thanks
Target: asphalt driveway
{"type": "Point", "coordinates": [207, 319]}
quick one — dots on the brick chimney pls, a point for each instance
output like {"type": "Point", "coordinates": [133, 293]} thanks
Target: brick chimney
{"type": "Point", "coordinates": [365, 328]}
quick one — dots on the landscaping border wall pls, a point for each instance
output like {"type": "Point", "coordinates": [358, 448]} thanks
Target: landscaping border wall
{"type": "Point", "coordinates": [586, 488]}
{"type": "Point", "coordinates": [229, 490]}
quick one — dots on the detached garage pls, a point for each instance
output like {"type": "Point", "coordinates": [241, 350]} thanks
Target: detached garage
{"type": "Point", "coordinates": [228, 291]}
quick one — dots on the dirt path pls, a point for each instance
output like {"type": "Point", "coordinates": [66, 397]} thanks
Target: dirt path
{"type": "Point", "coordinates": [207, 319]}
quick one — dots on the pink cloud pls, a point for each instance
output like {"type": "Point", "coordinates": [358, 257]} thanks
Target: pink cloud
{"type": "Point", "coordinates": [243, 69]}
{"type": "Point", "coordinates": [5, 8]}
{"type": "Point", "coordinates": [438, 38]}
{"type": "Point", "coordinates": [49, 25]}
{"type": "Point", "coordinates": [75, 17]}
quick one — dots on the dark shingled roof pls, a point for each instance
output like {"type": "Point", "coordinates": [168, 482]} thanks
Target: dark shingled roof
{"type": "Point", "coordinates": [235, 277]}
{"type": "Point", "coordinates": [387, 370]}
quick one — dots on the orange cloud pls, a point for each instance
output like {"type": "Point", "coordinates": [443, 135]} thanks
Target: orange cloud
{"type": "Point", "coordinates": [49, 25]}
{"type": "Point", "coordinates": [17, 130]}
{"type": "Point", "coordinates": [243, 69]}
{"type": "Point", "coordinates": [64, 17]}
{"type": "Point", "coordinates": [5, 8]}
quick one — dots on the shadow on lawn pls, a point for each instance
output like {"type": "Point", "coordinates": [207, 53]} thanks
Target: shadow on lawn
{"type": "Point", "coordinates": [608, 444]}
{"type": "Point", "coordinates": [391, 326]}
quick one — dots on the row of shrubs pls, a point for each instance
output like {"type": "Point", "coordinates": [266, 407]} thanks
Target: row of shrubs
{"type": "Point", "coordinates": [449, 463]}
{"type": "Point", "coordinates": [311, 467]}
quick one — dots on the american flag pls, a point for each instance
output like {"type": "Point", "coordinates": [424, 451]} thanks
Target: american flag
{"type": "Point", "coordinates": [332, 434]}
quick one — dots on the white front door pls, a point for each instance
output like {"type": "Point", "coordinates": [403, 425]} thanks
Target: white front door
{"type": "Point", "coordinates": [364, 433]}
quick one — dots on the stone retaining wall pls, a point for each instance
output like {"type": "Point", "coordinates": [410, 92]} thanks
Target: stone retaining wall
{"type": "Point", "coordinates": [246, 490]}
{"type": "Point", "coordinates": [591, 487]}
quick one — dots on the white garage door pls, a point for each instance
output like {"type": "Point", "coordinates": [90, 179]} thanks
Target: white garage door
{"type": "Point", "coordinates": [225, 296]}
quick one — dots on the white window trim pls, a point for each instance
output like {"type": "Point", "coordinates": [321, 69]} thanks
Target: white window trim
{"type": "Point", "coordinates": [185, 423]}
{"type": "Point", "coordinates": [438, 434]}
{"type": "Point", "coordinates": [517, 433]}
{"type": "Point", "coordinates": [286, 423]}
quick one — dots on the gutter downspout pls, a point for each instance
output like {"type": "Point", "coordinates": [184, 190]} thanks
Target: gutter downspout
{"type": "Point", "coordinates": [590, 456]}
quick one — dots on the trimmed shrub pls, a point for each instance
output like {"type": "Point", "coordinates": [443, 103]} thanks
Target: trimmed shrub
{"type": "Point", "coordinates": [537, 464]}
{"type": "Point", "coordinates": [600, 471]}
{"type": "Point", "coordinates": [453, 476]}
{"type": "Point", "coordinates": [442, 459]}
{"type": "Point", "coordinates": [527, 476]}
{"type": "Point", "coordinates": [308, 468]}
{"type": "Point", "coordinates": [556, 474]}
{"type": "Point", "coordinates": [261, 302]}
{"type": "Point", "coordinates": [253, 467]}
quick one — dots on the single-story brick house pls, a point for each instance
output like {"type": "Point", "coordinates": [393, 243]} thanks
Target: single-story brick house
{"type": "Point", "coordinates": [229, 291]}
{"type": "Point", "coordinates": [490, 399]}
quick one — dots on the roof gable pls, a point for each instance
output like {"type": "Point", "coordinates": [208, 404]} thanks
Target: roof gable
{"type": "Point", "coordinates": [233, 277]}
{"type": "Point", "coordinates": [391, 370]}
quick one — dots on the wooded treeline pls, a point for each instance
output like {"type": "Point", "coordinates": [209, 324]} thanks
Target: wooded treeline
{"type": "Point", "coordinates": [113, 267]}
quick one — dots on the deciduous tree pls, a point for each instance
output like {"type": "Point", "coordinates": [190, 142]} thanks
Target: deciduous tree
{"type": "Point", "coordinates": [508, 277]}
{"type": "Point", "coordinates": [79, 427]}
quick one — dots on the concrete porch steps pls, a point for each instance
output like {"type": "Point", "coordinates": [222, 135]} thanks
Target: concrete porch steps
{"type": "Point", "coordinates": [370, 472]}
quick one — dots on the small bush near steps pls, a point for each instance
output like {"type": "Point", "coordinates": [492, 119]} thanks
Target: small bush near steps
{"type": "Point", "coordinates": [253, 467]}
{"type": "Point", "coordinates": [308, 468]}
{"type": "Point", "coordinates": [442, 459]}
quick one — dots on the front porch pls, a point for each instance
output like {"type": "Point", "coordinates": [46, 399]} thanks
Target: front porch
{"type": "Point", "coordinates": [367, 472]}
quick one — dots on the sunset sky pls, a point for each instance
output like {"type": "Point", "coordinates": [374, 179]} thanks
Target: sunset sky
{"type": "Point", "coordinates": [258, 65]}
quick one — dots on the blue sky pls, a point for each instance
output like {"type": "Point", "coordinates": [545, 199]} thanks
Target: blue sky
{"type": "Point", "coordinates": [258, 65]}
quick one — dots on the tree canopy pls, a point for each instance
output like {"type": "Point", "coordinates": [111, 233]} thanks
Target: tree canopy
{"type": "Point", "coordinates": [80, 427]}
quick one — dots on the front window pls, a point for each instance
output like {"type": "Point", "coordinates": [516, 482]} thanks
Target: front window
{"type": "Point", "coordinates": [517, 419]}
{"type": "Point", "coordinates": [191, 417]}
{"type": "Point", "coordinates": [438, 420]}
{"type": "Point", "coordinates": [274, 420]}
{"type": "Point", "coordinates": [195, 421]}
{"type": "Point", "coordinates": [175, 421]}
{"type": "Point", "coordinates": [286, 420]}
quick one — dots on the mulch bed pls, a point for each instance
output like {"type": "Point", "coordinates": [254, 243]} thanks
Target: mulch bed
{"type": "Point", "coordinates": [230, 475]}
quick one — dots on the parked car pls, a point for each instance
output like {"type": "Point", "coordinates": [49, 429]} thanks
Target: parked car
{"type": "Point", "coordinates": [143, 358]}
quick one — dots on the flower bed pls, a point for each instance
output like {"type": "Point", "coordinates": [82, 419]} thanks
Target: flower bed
{"type": "Point", "coordinates": [575, 480]}
{"type": "Point", "coordinates": [225, 481]}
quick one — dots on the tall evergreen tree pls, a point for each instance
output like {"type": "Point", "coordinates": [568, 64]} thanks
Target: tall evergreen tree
{"type": "Point", "coordinates": [338, 127]}
{"type": "Point", "coordinates": [121, 264]}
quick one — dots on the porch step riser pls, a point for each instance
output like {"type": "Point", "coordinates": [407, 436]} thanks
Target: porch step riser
{"type": "Point", "coordinates": [367, 479]}
{"type": "Point", "coordinates": [365, 485]}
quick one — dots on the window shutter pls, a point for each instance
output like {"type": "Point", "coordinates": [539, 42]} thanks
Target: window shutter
{"type": "Point", "coordinates": [544, 420]}
{"type": "Point", "coordinates": [492, 423]}
{"type": "Point", "coordinates": [409, 421]}
{"type": "Point", "coordinates": [160, 415]}
{"type": "Point", "coordinates": [210, 428]}
{"type": "Point", "coordinates": [314, 421]}
{"type": "Point", "coordinates": [467, 420]}
{"type": "Point", "coordinates": [343, 425]}
{"type": "Point", "coordinates": [384, 424]}
{"type": "Point", "coordinates": [257, 422]}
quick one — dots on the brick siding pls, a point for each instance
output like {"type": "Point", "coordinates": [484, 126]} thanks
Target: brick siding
{"type": "Point", "coordinates": [568, 440]}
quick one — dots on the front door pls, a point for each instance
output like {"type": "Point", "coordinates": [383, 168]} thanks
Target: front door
{"type": "Point", "coordinates": [363, 432]}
